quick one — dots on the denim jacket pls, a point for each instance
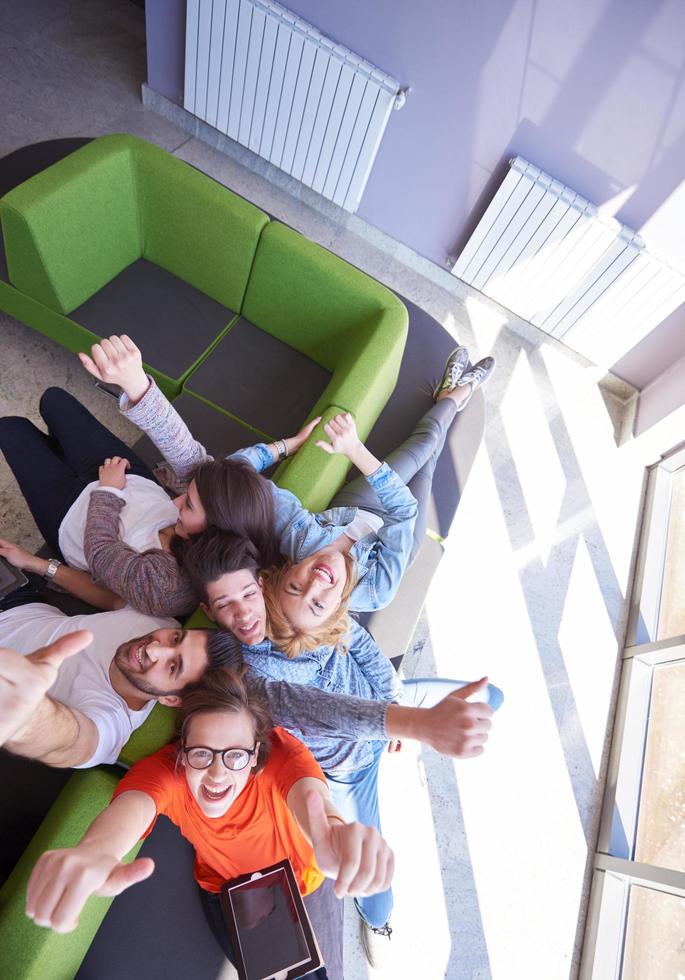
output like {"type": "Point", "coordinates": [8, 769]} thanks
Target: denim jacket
{"type": "Point", "coordinates": [381, 557]}
{"type": "Point", "coordinates": [363, 672]}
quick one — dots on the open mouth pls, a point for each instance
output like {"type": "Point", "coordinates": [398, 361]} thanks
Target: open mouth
{"type": "Point", "coordinates": [248, 629]}
{"type": "Point", "coordinates": [137, 655]}
{"type": "Point", "coordinates": [215, 794]}
{"type": "Point", "coordinates": [325, 573]}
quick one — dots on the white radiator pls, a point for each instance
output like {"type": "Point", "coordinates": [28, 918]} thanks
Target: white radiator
{"type": "Point", "coordinates": [547, 254]}
{"type": "Point", "coordinates": [273, 83]}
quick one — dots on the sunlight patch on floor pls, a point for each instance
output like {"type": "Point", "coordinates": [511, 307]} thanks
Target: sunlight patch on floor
{"type": "Point", "coordinates": [612, 477]}
{"type": "Point", "coordinates": [519, 808]}
{"type": "Point", "coordinates": [534, 453]}
{"type": "Point", "coordinates": [590, 652]}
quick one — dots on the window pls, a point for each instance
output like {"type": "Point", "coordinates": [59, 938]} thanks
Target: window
{"type": "Point", "coordinates": [636, 916]}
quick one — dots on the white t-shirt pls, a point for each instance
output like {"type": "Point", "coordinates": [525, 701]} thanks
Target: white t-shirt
{"type": "Point", "coordinates": [83, 680]}
{"type": "Point", "coordinates": [364, 523]}
{"type": "Point", "coordinates": [148, 509]}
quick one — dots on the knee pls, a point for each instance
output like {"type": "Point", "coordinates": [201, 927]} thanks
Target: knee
{"type": "Point", "coordinates": [54, 398]}
{"type": "Point", "coordinates": [14, 431]}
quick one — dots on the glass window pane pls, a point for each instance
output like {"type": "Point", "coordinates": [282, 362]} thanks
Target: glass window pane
{"type": "Point", "coordinates": [661, 821]}
{"type": "Point", "coordinates": [672, 604]}
{"type": "Point", "coordinates": [655, 936]}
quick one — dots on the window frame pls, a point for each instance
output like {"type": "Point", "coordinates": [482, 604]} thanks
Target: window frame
{"type": "Point", "coordinates": [614, 870]}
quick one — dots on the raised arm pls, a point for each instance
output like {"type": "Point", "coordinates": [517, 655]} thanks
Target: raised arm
{"type": "Point", "coordinates": [31, 723]}
{"type": "Point", "coordinates": [118, 361]}
{"type": "Point", "coordinates": [73, 580]}
{"type": "Point", "coordinates": [354, 855]}
{"type": "Point", "coordinates": [62, 881]}
{"type": "Point", "coordinates": [150, 581]}
{"type": "Point", "coordinates": [454, 727]}
{"type": "Point", "coordinates": [394, 539]}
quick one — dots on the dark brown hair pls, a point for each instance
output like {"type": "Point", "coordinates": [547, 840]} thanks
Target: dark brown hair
{"type": "Point", "coordinates": [214, 553]}
{"type": "Point", "coordinates": [235, 498]}
{"type": "Point", "coordinates": [227, 690]}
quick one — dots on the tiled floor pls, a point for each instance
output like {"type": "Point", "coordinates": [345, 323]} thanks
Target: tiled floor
{"type": "Point", "coordinates": [491, 854]}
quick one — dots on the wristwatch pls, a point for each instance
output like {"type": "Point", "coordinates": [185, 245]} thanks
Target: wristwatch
{"type": "Point", "coordinates": [51, 570]}
{"type": "Point", "coordinates": [281, 448]}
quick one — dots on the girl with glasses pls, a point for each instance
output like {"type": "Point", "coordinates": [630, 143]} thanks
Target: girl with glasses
{"type": "Point", "coordinates": [246, 796]}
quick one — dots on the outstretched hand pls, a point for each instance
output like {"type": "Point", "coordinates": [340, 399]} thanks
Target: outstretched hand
{"type": "Point", "coordinates": [356, 856]}
{"type": "Point", "coordinates": [458, 727]}
{"type": "Point", "coordinates": [24, 681]}
{"type": "Point", "coordinates": [62, 881]}
{"type": "Point", "coordinates": [342, 433]}
{"type": "Point", "coordinates": [118, 361]}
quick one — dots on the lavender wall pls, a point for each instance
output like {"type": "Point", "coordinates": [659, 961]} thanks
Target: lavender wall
{"type": "Point", "coordinates": [592, 91]}
{"type": "Point", "coordinates": [165, 28]}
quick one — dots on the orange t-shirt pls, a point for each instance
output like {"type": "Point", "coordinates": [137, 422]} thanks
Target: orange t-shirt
{"type": "Point", "coordinates": [258, 830]}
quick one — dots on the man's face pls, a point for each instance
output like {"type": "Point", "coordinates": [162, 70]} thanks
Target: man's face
{"type": "Point", "coordinates": [161, 663]}
{"type": "Point", "coordinates": [236, 602]}
{"type": "Point", "coordinates": [217, 787]}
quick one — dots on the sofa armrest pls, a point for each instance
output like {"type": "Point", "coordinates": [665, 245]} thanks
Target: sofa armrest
{"type": "Point", "coordinates": [29, 951]}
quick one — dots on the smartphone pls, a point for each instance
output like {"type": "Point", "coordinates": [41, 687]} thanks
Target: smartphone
{"type": "Point", "coordinates": [268, 924]}
{"type": "Point", "coordinates": [11, 578]}
{"type": "Point", "coordinates": [112, 390]}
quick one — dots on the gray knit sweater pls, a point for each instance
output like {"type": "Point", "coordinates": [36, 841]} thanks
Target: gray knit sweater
{"type": "Point", "coordinates": [152, 581]}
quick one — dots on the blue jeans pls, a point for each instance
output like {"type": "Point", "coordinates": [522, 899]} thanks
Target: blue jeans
{"type": "Point", "coordinates": [355, 793]}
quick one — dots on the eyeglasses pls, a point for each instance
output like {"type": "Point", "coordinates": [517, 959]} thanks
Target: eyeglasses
{"type": "Point", "coordinates": [202, 757]}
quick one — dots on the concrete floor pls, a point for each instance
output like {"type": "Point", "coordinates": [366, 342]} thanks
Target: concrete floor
{"type": "Point", "coordinates": [491, 854]}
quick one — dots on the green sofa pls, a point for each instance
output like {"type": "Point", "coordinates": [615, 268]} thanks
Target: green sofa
{"type": "Point", "coordinates": [119, 207]}
{"type": "Point", "coordinates": [73, 230]}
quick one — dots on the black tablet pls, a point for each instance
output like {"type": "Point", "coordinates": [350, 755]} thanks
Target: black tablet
{"type": "Point", "coordinates": [10, 578]}
{"type": "Point", "coordinates": [268, 924]}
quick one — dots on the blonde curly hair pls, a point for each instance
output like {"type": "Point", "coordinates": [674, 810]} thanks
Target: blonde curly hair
{"type": "Point", "coordinates": [292, 641]}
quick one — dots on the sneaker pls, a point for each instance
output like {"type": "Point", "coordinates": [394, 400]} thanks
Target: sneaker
{"type": "Point", "coordinates": [375, 943]}
{"type": "Point", "coordinates": [454, 369]}
{"type": "Point", "coordinates": [478, 374]}
{"type": "Point", "coordinates": [475, 377]}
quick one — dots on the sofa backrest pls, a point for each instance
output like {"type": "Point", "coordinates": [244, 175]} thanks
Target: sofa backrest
{"type": "Point", "coordinates": [311, 299]}
{"type": "Point", "coordinates": [73, 227]}
{"type": "Point", "coordinates": [194, 227]}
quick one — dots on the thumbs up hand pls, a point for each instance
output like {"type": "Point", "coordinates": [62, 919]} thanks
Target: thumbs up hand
{"type": "Point", "coordinates": [356, 856]}
{"type": "Point", "coordinates": [62, 881]}
{"type": "Point", "coordinates": [24, 681]}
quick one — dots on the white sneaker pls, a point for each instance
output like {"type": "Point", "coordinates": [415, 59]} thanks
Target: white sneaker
{"type": "Point", "coordinates": [375, 943]}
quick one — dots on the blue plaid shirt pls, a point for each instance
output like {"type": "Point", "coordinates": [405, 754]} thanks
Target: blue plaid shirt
{"type": "Point", "coordinates": [381, 557]}
{"type": "Point", "coordinates": [362, 672]}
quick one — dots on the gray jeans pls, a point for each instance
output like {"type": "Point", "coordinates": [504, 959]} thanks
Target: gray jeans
{"type": "Point", "coordinates": [414, 462]}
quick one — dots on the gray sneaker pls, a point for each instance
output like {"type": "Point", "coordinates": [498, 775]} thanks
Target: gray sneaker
{"type": "Point", "coordinates": [454, 368]}
{"type": "Point", "coordinates": [375, 943]}
{"type": "Point", "coordinates": [475, 377]}
{"type": "Point", "coordinates": [478, 374]}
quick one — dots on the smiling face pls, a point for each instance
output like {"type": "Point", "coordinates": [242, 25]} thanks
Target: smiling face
{"type": "Point", "coordinates": [215, 789]}
{"type": "Point", "coordinates": [310, 592]}
{"type": "Point", "coordinates": [192, 517]}
{"type": "Point", "coordinates": [162, 662]}
{"type": "Point", "coordinates": [236, 603]}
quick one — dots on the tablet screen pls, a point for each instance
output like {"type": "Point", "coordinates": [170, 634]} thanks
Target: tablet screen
{"type": "Point", "coordinates": [269, 931]}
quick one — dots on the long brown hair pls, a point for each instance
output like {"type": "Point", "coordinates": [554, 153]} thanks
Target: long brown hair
{"type": "Point", "coordinates": [226, 690]}
{"type": "Point", "coordinates": [292, 641]}
{"type": "Point", "coordinates": [235, 498]}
